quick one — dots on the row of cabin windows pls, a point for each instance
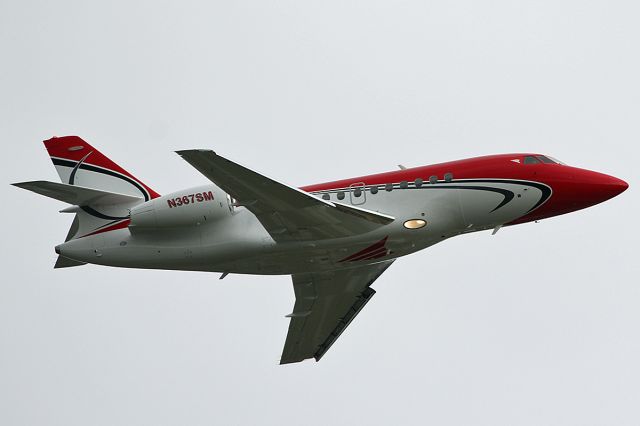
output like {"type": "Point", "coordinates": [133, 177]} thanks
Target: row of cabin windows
{"type": "Point", "coordinates": [357, 192]}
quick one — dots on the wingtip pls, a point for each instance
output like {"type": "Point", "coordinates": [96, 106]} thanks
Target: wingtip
{"type": "Point", "coordinates": [285, 361]}
{"type": "Point", "coordinates": [20, 184]}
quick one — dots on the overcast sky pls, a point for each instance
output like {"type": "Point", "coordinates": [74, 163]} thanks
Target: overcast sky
{"type": "Point", "coordinates": [537, 325]}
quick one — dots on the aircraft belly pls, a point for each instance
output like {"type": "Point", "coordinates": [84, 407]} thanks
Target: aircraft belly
{"type": "Point", "coordinates": [240, 244]}
{"type": "Point", "coordinates": [173, 250]}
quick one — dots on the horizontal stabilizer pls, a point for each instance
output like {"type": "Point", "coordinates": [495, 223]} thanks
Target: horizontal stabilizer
{"type": "Point", "coordinates": [65, 262]}
{"type": "Point", "coordinates": [100, 192]}
{"type": "Point", "coordinates": [77, 195]}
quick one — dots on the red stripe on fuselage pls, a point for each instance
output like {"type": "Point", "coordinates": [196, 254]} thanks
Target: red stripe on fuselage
{"type": "Point", "coordinates": [363, 254]}
{"type": "Point", "coordinates": [573, 188]}
{"type": "Point", "coordinates": [113, 227]}
{"type": "Point", "coordinates": [489, 167]}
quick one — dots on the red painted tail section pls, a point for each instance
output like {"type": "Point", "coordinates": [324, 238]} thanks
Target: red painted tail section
{"type": "Point", "coordinates": [70, 153]}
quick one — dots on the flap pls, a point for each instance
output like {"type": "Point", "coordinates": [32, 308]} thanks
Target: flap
{"type": "Point", "coordinates": [326, 303]}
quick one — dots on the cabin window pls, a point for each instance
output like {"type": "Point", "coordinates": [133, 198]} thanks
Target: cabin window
{"type": "Point", "coordinates": [433, 179]}
{"type": "Point", "coordinates": [418, 182]}
{"type": "Point", "coordinates": [357, 192]}
{"type": "Point", "coordinates": [340, 195]}
{"type": "Point", "coordinates": [448, 177]}
{"type": "Point", "coordinates": [326, 196]}
{"type": "Point", "coordinates": [374, 189]}
{"type": "Point", "coordinates": [530, 159]}
{"type": "Point", "coordinates": [388, 187]}
{"type": "Point", "coordinates": [404, 184]}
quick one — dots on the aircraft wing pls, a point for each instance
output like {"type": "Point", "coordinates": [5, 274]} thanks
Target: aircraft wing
{"type": "Point", "coordinates": [326, 303]}
{"type": "Point", "coordinates": [287, 213]}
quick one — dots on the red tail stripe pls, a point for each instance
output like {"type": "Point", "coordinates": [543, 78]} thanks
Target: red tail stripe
{"type": "Point", "coordinates": [110, 228]}
{"type": "Point", "coordinates": [75, 148]}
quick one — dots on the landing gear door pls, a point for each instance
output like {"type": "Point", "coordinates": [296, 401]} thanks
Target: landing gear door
{"type": "Point", "coordinates": [357, 194]}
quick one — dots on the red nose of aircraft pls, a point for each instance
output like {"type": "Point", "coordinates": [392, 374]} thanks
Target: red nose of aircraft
{"type": "Point", "coordinates": [574, 189]}
{"type": "Point", "coordinates": [591, 188]}
{"type": "Point", "coordinates": [579, 188]}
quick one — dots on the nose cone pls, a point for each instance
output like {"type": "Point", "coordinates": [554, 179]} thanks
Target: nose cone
{"type": "Point", "coordinates": [574, 189]}
{"type": "Point", "coordinates": [584, 188]}
{"type": "Point", "coordinates": [617, 186]}
{"type": "Point", "coordinates": [598, 187]}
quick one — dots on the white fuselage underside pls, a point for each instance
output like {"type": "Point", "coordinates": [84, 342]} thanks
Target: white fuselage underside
{"type": "Point", "coordinates": [236, 242]}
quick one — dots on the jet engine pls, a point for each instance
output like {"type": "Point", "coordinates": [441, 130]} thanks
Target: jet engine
{"type": "Point", "coordinates": [195, 207]}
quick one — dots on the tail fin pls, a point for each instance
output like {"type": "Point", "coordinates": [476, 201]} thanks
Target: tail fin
{"type": "Point", "coordinates": [78, 163]}
{"type": "Point", "coordinates": [100, 192]}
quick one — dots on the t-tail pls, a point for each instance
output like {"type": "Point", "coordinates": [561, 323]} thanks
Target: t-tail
{"type": "Point", "coordinates": [100, 192]}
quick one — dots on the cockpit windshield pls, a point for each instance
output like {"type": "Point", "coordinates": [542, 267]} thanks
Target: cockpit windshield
{"type": "Point", "coordinates": [538, 159]}
{"type": "Point", "coordinates": [545, 160]}
{"type": "Point", "coordinates": [549, 160]}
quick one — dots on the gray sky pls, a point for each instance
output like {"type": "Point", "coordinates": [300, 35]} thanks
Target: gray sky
{"type": "Point", "coordinates": [537, 325]}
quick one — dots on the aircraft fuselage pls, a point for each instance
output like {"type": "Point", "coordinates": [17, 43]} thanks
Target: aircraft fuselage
{"type": "Point", "coordinates": [202, 228]}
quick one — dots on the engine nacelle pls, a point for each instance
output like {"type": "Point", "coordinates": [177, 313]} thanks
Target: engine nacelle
{"type": "Point", "coordinates": [189, 207]}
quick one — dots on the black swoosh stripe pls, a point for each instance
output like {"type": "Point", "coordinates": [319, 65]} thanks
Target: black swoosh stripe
{"type": "Point", "coordinates": [508, 195]}
{"type": "Point", "coordinates": [99, 215]}
{"type": "Point", "coordinates": [89, 210]}
{"type": "Point", "coordinates": [72, 176]}
{"type": "Point", "coordinates": [83, 166]}
{"type": "Point", "coordinates": [545, 189]}
{"type": "Point", "coordinates": [455, 184]}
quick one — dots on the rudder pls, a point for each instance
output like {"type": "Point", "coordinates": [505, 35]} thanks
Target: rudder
{"type": "Point", "coordinates": [79, 163]}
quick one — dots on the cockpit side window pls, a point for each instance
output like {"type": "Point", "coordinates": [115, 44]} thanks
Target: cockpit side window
{"type": "Point", "coordinates": [546, 160]}
{"type": "Point", "coordinates": [556, 160]}
{"type": "Point", "coordinates": [530, 159]}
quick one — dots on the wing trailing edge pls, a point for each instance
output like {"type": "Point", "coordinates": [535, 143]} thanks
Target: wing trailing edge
{"type": "Point", "coordinates": [326, 303]}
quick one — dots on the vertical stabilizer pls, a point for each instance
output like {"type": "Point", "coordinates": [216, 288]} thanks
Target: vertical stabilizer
{"type": "Point", "coordinates": [100, 192]}
{"type": "Point", "coordinates": [79, 163]}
